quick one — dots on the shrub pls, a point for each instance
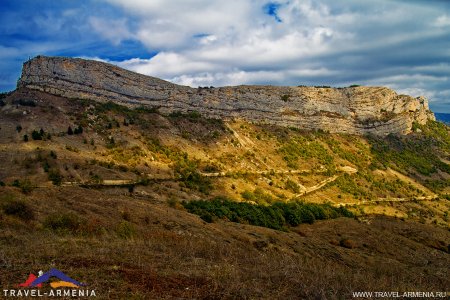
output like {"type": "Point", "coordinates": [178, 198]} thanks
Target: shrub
{"type": "Point", "coordinates": [187, 172]}
{"type": "Point", "coordinates": [63, 223]}
{"type": "Point", "coordinates": [25, 137]}
{"type": "Point", "coordinates": [25, 185]}
{"type": "Point", "coordinates": [19, 208]}
{"type": "Point", "coordinates": [35, 135]}
{"type": "Point", "coordinates": [285, 98]}
{"type": "Point", "coordinates": [78, 130]}
{"type": "Point", "coordinates": [55, 176]}
{"type": "Point", "coordinates": [172, 202]}
{"type": "Point", "coordinates": [53, 154]}
{"type": "Point", "coordinates": [125, 230]}
{"type": "Point", "coordinates": [247, 195]}
{"type": "Point", "coordinates": [46, 166]}
{"type": "Point", "coordinates": [292, 186]}
{"type": "Point", "coordinates": [111, 143]}
{"type": "Point", "coordinates": [25, 102]}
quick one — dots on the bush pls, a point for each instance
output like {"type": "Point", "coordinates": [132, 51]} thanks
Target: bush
{"type": "Point", "coordinates": [78, 130]}
{"type": "Point", "coordinates": [125, 230]}
{"type": "Point", "coordinates": [55, 176]}
{"type": "Point", "coordinates": [25, 185]}
{"type": "Point", "coordinates": [25, 102]}
{"type": "Point", "coordinates": [187, 172]}
{"type": "Point", "coordinates": [53, 154]}
{"type": "Point", "coordinates": [247, 195]}
{"type": "Point", "coordinates": [285, 98]}
{"type": "Point", "coordinates": [292, 186]}
{"type": "Point", "coordinates": [35, 135]}
{"type": "Point", "coordinates": [19, 208]}
{"type": "Point", "coordinates": [63, 223]}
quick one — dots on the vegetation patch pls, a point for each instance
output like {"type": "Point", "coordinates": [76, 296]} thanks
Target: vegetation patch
{"type": "Point", "coordinates": [125, 230]}
{"type": "Point", "coordinates": [188, 173]}
{"type": "Point", "coordinates": [19, 209]}
{"type": "Point", "coordinates": [304, 147]}
{"type": "Point", "coordinates": [63, 223]}
{"type": "Point", "coordinates": [24, 185]}
{"type": "Point", "coordinates": [276, 216]}
{"type": "Point", "coordinates": [419, 153]}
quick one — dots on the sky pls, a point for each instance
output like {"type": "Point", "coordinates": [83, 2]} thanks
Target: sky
{"type": "Point", "coordinates": [404, 45]}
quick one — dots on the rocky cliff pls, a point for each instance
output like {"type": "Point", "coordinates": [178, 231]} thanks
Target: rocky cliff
{"type": "Point", "coordinates": [354, 110]}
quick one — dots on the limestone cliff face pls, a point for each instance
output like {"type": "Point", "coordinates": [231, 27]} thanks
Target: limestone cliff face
{"type": "Point", "coordinates": [355, 110]}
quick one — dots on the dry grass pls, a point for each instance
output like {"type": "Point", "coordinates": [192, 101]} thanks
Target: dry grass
{"type": "Point", "coordinates": [174, 254]}
{"type": "Point", "coordinates": [135, 245]}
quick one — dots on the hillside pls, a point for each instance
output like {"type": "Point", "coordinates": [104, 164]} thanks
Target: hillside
{"type": "Point", "coordinates": [109, 194]}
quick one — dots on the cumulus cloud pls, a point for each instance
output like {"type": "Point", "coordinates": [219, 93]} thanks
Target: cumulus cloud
{"type": "Point", "coordinates": [399, 44]}
{"type": "Point", "coordinates": [114, 30]}
{"type": "Point", "coordinates": [293, 42]}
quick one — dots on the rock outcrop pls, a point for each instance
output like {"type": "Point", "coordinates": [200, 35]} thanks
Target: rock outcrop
{"type": "Point", "coordinates": [353, 110]}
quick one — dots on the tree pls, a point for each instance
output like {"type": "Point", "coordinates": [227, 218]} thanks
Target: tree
{"type": "Point", "coordinates": [55, 176]}
{"type": "Point", "coordinates": [78, 130]}
{"type": "Point", "coordinates": [69, 131]}
{"type": "Point", "coordinates": [25, 138]}
{"type": "Point", "coordinates": [36, 135]}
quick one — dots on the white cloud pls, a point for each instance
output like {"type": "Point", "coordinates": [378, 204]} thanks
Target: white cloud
{"type": "Point", "coordinates": [114, 30]}
{"type": "Point", "coordinates": [213, 42]}
{"type": "Point", "coordinates": [442, 21]}
{"type": "Point", "coordinates": [166, 64]}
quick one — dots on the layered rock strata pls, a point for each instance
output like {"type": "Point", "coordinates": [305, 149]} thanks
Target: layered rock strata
{"type": "Point", "coordinates": [353, 110]}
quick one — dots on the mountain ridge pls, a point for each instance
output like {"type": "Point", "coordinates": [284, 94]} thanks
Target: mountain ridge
{"type": "Point", "coordinates": [177, 205]}
{"type": "Point", "coordinates": [353, 110]}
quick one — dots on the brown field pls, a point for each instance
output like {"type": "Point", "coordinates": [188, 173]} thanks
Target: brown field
{"type": "Point", "coordinates": [167, 253]}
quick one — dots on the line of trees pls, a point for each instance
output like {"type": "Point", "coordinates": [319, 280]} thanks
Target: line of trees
{"type": "Point", "coordinates": [278, 216]}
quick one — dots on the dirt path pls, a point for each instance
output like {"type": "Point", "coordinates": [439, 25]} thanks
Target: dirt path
{"type": "Point", "coordinates": [244, 141]}
{"type": "Point", "coordinates": [368, 202]}
{"type": "Point", "coordinates": [317, 186]}
{"type": "Point", "coordinates": [223, 174]}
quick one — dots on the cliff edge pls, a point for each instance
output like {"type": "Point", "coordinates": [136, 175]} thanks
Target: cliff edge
{"type": "Point", "coordinates": [353, 110]}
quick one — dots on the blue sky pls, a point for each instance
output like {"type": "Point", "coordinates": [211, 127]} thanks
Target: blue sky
{"type": "Point", "coordinates": [401, 44]}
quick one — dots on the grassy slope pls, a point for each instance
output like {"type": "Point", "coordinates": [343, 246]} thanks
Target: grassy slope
{"type": "Point", "coordinates": [127, 246]}
{"type": "Point", "coordinates": [128, 239]}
